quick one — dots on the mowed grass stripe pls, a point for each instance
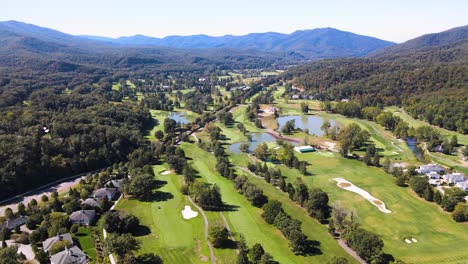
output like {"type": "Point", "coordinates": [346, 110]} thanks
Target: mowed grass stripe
{"type": "Point", "coordinates": [247, 219]}
{"type": "Point", "coordinates": [176, 240]}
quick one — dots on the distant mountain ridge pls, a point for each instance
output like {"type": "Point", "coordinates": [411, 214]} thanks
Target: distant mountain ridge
{"type": "Point", "coordinates": [312, 44]}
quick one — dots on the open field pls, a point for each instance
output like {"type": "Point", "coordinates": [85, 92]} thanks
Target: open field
{"type": "Point", "coordinates": [441, 240]}
{"type": "Point", "coordinates": [247, 219]}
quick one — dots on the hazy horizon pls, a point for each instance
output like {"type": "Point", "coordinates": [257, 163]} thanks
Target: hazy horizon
{"type": "Point", "coordinates": [395, 21]}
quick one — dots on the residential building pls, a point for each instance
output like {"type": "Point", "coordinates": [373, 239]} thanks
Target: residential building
{"type": "Point", "coordinates": [454, 177]}
{"type": "Point", "coordinates": [91, 202]}
{"type": "Point", "coordinates": [11, 224]}
{"type": "Point", "coordinates": [462, 185]}
{"type": "Point", "coordinates": [105, 192]}
{"type": "Point", "coordinates": [433, 175]}
{"type": "Point", "coordinates": [48, 243]}
{"type": "Point", "coordinates": [424, 169]}
{"type": "Point", "coordinates": [72, 255]}
{"type": "Point", "coordinates": [82, 217]}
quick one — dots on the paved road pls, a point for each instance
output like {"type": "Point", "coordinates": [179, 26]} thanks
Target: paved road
{"type": "Point", "coordinates": [351, 251]}
{"type": "Point", "coordinates": [213, 258]}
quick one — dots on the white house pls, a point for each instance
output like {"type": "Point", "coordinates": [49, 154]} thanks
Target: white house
{"type": "Point", "coordinates": [433, 175]}
{"type": "Point", "coordinates": [82, 217]}
{"type": "Point", "coordinates": [72, 255]}
{"type": "Point", "coordinates": [462, 185]}
{"type": "Point", "coordinates": [454, 177]}
{"type": "Point", "coordinates": [424, 169]}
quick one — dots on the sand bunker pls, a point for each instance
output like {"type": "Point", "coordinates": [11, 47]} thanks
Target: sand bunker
{"type": "Point", "coordinates": [165, 172]}
{"type": "Point", "coordinates": [410, 240]}
{"type": "Point", "coordinates": [188, 213]}
{"type": "Point", "coordinates": [342, 183]}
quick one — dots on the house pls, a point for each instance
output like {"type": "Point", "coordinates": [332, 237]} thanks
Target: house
{"type": "Point", "coordinates": [115, 184]}
{"type": "Point", "coordinates": [105, 192]}
{"type": "Point", "coordinates": [72, 255]}
{"type": "Point", "coordinates": [201, 79]}
{"type": "Point", "coordinates": [304, 149]}
{"type": "Point", "coordinates": [439, 149]}
{"type": "Point", "coordinates": [91, 202]}
{"type": "Point", "coordinates": [462, 185]}
{"type": "Point", "coordinates": [48, 243]}
{"type": "Point", "coordinates": [82, 217]}
{"type": "Point", "coordinates": [454, 177]}
{"type": "Point", "coordinates": [433, 175]}
{"type": "Point", "coordinates": [295, 96]}
{"type": "Point", "coordinates": [428, 168]}
{"type": "Point", "coordinates": [11, 224]}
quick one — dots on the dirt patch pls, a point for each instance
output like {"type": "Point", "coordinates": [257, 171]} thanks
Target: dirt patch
{"type": "Point", "coordinates": [377, 202]}
{"type": "Point", "coordinates": [344, 184]}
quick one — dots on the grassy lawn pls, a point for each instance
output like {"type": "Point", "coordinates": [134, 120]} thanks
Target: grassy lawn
{"type": "Point", "coordinates": [176, 240]}
{"type": "Point", "coordinates": [85, 237]}
{"type": "Point", "coordinates": [247, 219]}
{"type": "Point", "coordinates": [440, 239]}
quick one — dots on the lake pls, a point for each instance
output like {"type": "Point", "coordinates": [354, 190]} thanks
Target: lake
{"type": "Point", "coordinates": [178, 117]}
{"type": "Point", "coordinates": [313, 123]}
{"type": "Point", "coordinates": [257, 139]}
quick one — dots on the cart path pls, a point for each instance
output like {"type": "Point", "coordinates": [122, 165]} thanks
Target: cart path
{"type": "Point", "coordinates": [213, 259]}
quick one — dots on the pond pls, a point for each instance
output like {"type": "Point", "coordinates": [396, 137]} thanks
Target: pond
{"type": "Point", "coordinates": [178, 117]}
{"type": "Point", "coordinates": [313, 123]}
{"type": "Point", "coordinates": [413, 146]}
{"type": "Point", "coordinates": [256, 139]}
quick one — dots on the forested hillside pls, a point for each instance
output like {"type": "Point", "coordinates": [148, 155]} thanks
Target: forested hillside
{"type": "Point", "coordinates": [429, 82]}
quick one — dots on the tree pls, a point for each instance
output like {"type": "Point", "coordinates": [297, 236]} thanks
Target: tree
{"type": "Point", "coordinates": [256, 253]}
{"type": "Point", "coordinates": [370, 152]}
{"type": "Point", "coordinates": [304, 108]}
{"type": "Point", "coordinates": [141, 186]}
{"type": "Point", "coordinates": [326, 127]}
{"type": "Point", "coordinates": [120, 222]}
{"type": "Point", "coordinates": [120, 244]}
{"type": "Point", "coordinates": [9, 213]}
{"type": "Point", "coordinates": [59, 246]}
{"type": "Point", "coordinates": [218, 236]}
{"type": "Point", "coordinates": [317, 203]}
{"type": "Point", "coordinates": [460, 213]}
{"type": "Point", "coordinates": [242, 257]}
{"type": "Point", "coordinates": [159, 134]}
{"type": "Point", "coordinates": [9, 255]}
{"type": "Point", "coordinates": [261, 152]}
{"type": "Point", "coordinates": [289, 126]}
{"type": "Point", "coordinates": [244, 147]}
{"type": "Point", "coordinates": [271, 210]}
{"type": "Point", "coordinates": [366, 244]}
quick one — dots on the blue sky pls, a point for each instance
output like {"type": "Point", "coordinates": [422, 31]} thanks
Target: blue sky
{"type": "Point", "coordinates": [394, 20]}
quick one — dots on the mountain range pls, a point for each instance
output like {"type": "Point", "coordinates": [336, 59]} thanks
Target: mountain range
{"type": "Point", "coordinates": [312, 44]}
{"type": "Point", "coordinates": [301, 45]}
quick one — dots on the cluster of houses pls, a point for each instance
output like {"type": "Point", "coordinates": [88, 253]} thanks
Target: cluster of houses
{"type": "Point", "coordinates": [72, 254]}
{"type": "Point", "coordinates": [437, 176]}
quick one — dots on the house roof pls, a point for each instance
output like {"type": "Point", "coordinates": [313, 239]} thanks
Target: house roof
{"type": "Point", "coordinates": [13, 223]}
{"type": "Point", "coordinates": [91, 202]}
{"type": "Point", "coordinates": [48, 243]}
{"type": "Point", "coordinates": [462, 185]}
{"type": "Point", "coordinates": [115, 183]}
{"type": "Point", "coordinates": [455, 177]}
{"type": "Point", "coordinates": [82, 215]}
{"type": "Point", "coordinates": [430, 167]}
{"type": "Point", "coordinates": [105, 192]}
{"type": "Point", "coordinates": [69, 256]}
